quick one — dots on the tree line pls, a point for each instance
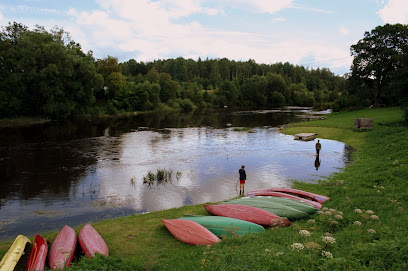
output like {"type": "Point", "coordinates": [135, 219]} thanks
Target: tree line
{"type": "Point", "coordinates": [46, 73]}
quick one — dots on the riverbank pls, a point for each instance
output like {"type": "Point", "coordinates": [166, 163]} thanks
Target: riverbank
{"type": "Point", "coordinates": [368, 226]}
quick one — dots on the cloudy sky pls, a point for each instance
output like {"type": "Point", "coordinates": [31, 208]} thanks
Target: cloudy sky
{"type": "Point", "coordinates": [312, 33]}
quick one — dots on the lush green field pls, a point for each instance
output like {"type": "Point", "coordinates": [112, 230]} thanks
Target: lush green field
{"type": "Point", "coordinates": [364, 227]}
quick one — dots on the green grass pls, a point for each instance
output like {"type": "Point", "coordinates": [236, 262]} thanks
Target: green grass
{"type": "Point", "coordinates": [375, 239]}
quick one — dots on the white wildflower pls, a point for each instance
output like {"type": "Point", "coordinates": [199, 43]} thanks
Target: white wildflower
{"type": "Point", "coordinates": [325, 209]}
{"type": "Point", "coordinates": [327, 254]}
{"type": "Point", "coordinates": [304, 233]}
{"type": "Point", "coordinates": [327, 234]}
{"type": "Point", "coordinates": [369, 212]}
{"type": "Point", "coordinates": [297, 246]}
{"type": "Point", "coordinates": [328, 239]}
{"type": "Point", "coordinates": [334, 222]}
{"type": "Point", "coordinates": [319, 212]}
{"type": "Point", "coordinates": [332, 210]}
{"type": "Point", "coordinates": [279, 254]}
{"type": "Point", "coordinates": [338, 217]}
{"type": "Point", "coordinates": [358, 211]}
{"type": "Point", "coordinates": [374, 217]}
{"type": "Point", "coordinates": [340, 213]}
{"type": "Point", "coordinates": [327, 213]}
{"type": "Point", "coordinates": [371, 231]}
{"type": "Point", "coordinates": [311, 221]}
{"type": "Point", "coordinates": [357, 223]}
{"type": "Point", "coordinates": [267, 250]}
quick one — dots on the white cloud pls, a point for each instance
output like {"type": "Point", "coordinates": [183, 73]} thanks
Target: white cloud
{"type": "Point", "coordinates": [279, 19]}
{"type": "Point", "coordinates": [344, 31]}
{"type": "Point", "coordinates": [395, 11]}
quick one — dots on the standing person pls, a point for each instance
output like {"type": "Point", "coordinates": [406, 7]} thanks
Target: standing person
{"type": "Point", "coordinates": [242, 178]}
{"type": "Point", "coordinates": [318, 147]}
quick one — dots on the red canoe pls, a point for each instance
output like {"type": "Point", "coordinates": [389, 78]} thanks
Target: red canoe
{"type": "Point", "coordinates": [38, 254]}
{"type": "Point", "coordinates": [296, 192]}
{"type": "Point", "coordinates": [92, 242]}
{"type": "Point", "coordinates": [316, 204]}
{"type": "Point", "coordinates": [190, 232]}
{"type": "Point", "coordinates": [63, 249]}
{"type": "Point", "coordinates": [248, 213]}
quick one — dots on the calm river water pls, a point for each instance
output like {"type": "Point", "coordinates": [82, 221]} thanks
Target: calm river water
{"type": "Point", "coordinates": [72, 173]}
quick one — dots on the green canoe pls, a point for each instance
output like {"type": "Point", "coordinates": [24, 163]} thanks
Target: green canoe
{"type": "Point", "coordinates": [225, 226]}
{"type": "Point", "coordinates": [273, 207]}
{"type": "Point", "coordinates": [296, 204]}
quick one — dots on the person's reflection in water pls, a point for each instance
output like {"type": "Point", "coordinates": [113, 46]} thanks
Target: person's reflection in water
{"type": "Point", "coordinates": [317, 162]}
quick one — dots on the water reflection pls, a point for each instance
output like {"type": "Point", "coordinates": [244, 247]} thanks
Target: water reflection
{"type": "Point", "coordinates": [317, 162]}
{"type": "Point", "coordinates": [72, 173]}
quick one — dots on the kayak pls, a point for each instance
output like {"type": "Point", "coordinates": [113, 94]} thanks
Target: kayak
{"type": "Point", "coordinates": [13, 255]}
{"type": "Point", "coordinates": [92, 242]}
{"type": "Point", "coordinates": [316, 204]}
{"type": "Point", "coordinates": [296, 192]}
{"type": "Point", "coordinates": [301, 206]}
{"type": "Point", "coordinates": [190, 232]}
{"type": "Point", "coordinates": [38, 254]}
{"type": "Point", "coordinates": [248, 213]}
{"type": "Point", "coordinates": [275, 208]}
{"type": "Point", "coordinates": [63, 248]}
{"type": "Point", "coordinates": [225, 226]}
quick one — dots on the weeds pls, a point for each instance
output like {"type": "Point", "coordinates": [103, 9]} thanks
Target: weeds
{"type": "Point", "coordinates": [162, 176]}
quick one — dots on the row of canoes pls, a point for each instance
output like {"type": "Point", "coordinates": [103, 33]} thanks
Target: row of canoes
{"type": "Point", "coordinates": [263, 208]}
{"type": "Point", "coordinates": [61, 252]}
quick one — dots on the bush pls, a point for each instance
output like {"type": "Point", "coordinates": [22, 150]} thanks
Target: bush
{"type": "Point", "coordinates": [186, 105]}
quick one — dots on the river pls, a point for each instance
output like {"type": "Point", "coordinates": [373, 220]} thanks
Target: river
{"type": "Point", "coordinates": [76, 172]}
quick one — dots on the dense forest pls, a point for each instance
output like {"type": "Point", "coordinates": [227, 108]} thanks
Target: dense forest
{"type": "Point", "coordinates": [45, 73]}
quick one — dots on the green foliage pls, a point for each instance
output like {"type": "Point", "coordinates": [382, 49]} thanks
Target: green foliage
{"type": "Point", "coordinates": [380, 61]}
{"type": "Point", "coordinates": [102, 263]}
{"type": "Point", "coordinates": [44, 75]}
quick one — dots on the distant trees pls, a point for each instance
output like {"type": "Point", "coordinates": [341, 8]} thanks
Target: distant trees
{"type": "Point", "coordinates": [45, 73]}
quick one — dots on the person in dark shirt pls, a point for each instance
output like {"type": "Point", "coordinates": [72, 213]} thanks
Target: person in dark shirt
{"type": "Point", "coordinates": [318, 147]}
{"type": "Point", "coordinates": [242, 179]}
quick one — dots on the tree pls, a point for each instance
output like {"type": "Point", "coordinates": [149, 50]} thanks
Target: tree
{"type": "Point", "coordinates": [378, 56]}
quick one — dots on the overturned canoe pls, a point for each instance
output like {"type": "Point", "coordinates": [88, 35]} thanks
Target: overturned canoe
{"type": "Point", "coordinates": [63, 249]}
{"type": "Point", "coordinates": [296, 192]}
{"type": "Point", "coordinates": [225, 226]}
{"type": "Point", "coordinates": [13, 255]}
{"type": "Point", "coordinates": [301, 206]}
{"type": "Point", "coordinates": [38, 254]}
{"type": "Point", "coordinates": [248, 213]}
{"type": "Point", "coordinates": [92, 242]}
{"type": "Point", "coordinates": [316, 204]}
{"type": "Point", "coordinates": [275, 208]}
{"type": "Point", "coordinates": [190, 232]}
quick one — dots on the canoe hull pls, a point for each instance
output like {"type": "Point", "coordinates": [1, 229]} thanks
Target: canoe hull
{"type": "Point", "coordinates": [190, 232]}
{"type": "Point", "coordinates": [38, 254]}
{"type": "Point", "coordinates": [275, 208]}
{"type": "Point", "coordinates": [301, 206]}
{"type": "Point", "coordinates": [296, 192]}
{"type": "Point", "coordinates": [14, 253]}
{"type": "Point", "coordinates": [63, 249]}
{"type": "Point", "coordinates": [316, 204]}
{"type": "Point", "coordinates": [225, 226]}
{"type": "Point", "coordinates": [248, 213]}
{"type": "Point", "coordinates": [92, 242]}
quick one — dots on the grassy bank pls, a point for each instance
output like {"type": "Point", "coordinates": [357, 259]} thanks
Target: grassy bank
{"type": "Point", "coordinates": [364, 226]}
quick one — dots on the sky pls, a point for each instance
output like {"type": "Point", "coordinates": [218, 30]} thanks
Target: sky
{"type": "Point", "coordinates": [311, 33]}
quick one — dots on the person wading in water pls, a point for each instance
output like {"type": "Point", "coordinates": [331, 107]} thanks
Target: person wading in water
{"type": "Point", "coordinates": [318, 147]}
{"type": "Point", "coordinates": [242, 178]}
